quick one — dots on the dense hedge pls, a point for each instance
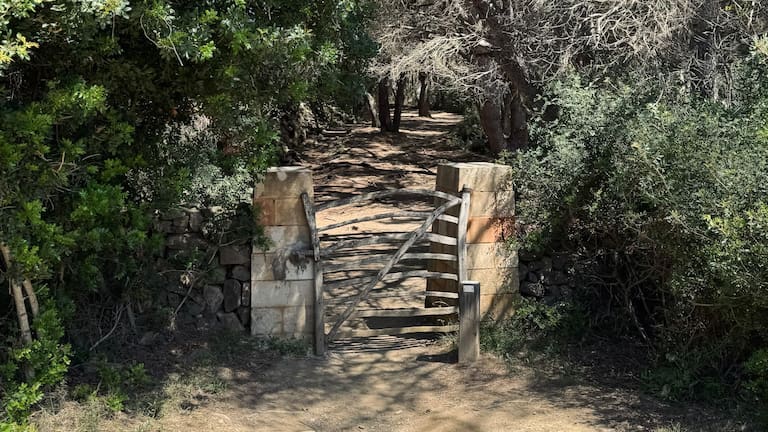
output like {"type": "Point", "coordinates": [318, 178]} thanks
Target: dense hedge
{"type": "Point", "coordinates": [661, 199]}
{"type": "Point", "coordinates": [110, 109]}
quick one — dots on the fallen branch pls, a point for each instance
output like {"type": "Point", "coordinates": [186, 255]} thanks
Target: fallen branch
{"type": "Point", "coordinates": [114, 327]}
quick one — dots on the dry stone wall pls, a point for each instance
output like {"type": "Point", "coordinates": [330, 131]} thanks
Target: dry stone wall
{"type": "Point", "coordinates": [545, 276]}
{"type": "Point", "coordinates": [206, 284]}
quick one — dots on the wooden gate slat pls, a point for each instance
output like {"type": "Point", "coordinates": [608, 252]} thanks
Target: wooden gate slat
{"type": "Point", "coordinates": [390, 277]}
{"type": "Point", "coordinates": [417, 235]}
{"type": "Point", "coordinates": [350, 333]}
{"type": "Point", "coordinates": [406, 312]}
{"type": "Point", "coordinates": [399, 215]}
{"type": "Point", "coordinates": [319, 316]}
{"type": "Point", "coordinates": [401, 294]}
{"type": "Point", "coordinates": [384, 194]}
{"type": "Point", "coordinates": [382, 258]}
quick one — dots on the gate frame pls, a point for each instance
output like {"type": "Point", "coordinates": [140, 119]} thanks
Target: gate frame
{"type": "Point", "coordinates": [467, 321]}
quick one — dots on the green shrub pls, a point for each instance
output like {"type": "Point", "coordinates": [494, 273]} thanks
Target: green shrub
{"type": "Point", "coordinates": [662, 200]}
{"type": "Point", "coordinates": [535, 325]}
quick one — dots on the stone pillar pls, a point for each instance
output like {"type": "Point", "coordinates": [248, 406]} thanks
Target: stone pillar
{"type": "Point", "coordinates": [491, 225]}
{"type": "Point", "coordinates": [282, 290]}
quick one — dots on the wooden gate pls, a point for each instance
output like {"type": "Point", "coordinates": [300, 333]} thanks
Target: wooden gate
{"type": "Point", "coordinates": [361, 275]}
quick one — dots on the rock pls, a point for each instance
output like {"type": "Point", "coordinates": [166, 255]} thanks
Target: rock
{"type": "Point", "coordinates": [241, 273]}
{"type": "Point", "coordinates": [164, 227]}
{"type": "Point", "coordinates": [149, 338]}
{"type": "Point", "coordinates": [232, 293]}
{"type": "Point", "coordinates": [245, 296]}
{"type": "Point", "coordinates": [559, 262]}
{"type": "Point", "coordinates": [554, 277]}
{"type": "Point", "coordinates": [244, 314]}
{"type": "Point", "coordinates": [210, 212]}
{"type": "Point", "coordinates": [185, 241]}
{"type": "Point", "coordinates": [543, 264]}
{"type": "Point", "coordinates": [182, 222]}
{"type": "Point", "coordinates": [172, 214]}
{"type": "Point", "coordinates": [533, 289]}
{"type": "Point", "coordinates": [173, 299]}
{"type": "Point", "coordinates": [230, 321]}
{"type": "Point", "coordinates": [217, 275]}
{"type": "Point", "coordinates": [195, 220]}
{"type": "Point", "coordinates": [213, 297]}
{"type": "Point", "coordinates": [193, 308]}
{"type": "Point", "coordinates": [233, 255]}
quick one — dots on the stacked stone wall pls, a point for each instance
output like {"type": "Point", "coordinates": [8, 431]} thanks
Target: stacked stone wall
{"type": "Point", "coordinates": [209, 283]}
{"type": "Point", "coordinates": [546, 276]}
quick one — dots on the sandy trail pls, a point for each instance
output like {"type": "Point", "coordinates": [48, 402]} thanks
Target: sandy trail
{"type": "Point", "coordinates": [409, 384]}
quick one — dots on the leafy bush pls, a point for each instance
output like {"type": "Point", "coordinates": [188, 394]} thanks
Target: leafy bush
{"type": "Point", "coordinates": [534, 325]}
{"type": "Point", "coordinates": [662, 199]}
{"type": "Point", "coordinates": [98, 104]}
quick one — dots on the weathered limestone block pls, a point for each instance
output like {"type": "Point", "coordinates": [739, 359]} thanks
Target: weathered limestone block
{"type": "Point", "coordinates": [266, 210]}
{"type": "Point", "coordinates": [266, 321]}
{"type": "Point", "coordinates": [479, 176]}
{"type": "Point", "coordinates": [282, 321]}
{"type": "Point", "coordinates": [491, 225]}
{"type": "Point", "coordinates": [292, 237]}
{"type": "Point", "coordinates": [290, 211]}
{"type": "Point", "coordinates": [232, 293]}
{"type": "Point", "coordinates": [282, 287]}
{"type": "Point", "coordinates": [503, 280]}
{"type": "Point", "coordinates": [284, 182]}
{"type": "Point", "coordinates": [282, 293]}
{"type": "Point", "coordinates": [490, 256]}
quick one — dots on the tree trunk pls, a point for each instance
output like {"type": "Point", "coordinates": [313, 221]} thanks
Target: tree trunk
{"type": "Point", "coordinates": [385, 121]}
{"type": "Point", "coordinates": [399, 102]}
{"type": "Point", "coordinates": [372, 109]}
{"type": "Point", "coordinates": [424, 95]}
{"type": "Point", "coordinates": [517, 137]}
{"type": "Point", "coordinates": [18, 298]}
{"type": "Point", "coordinates": [493, 126]}
{"type": "Point", "coordinates": [505, 126]}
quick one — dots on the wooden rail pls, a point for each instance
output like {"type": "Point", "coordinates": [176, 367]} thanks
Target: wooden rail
{"type": "Point", "coordinates": [356, 253]}
{"type": "Point", "coordinates": [359, 199]}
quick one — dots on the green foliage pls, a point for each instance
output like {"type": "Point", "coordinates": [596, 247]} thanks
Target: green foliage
{"type": "Point", "coordinates": [29, 370]}
{"type": "Point", "coordinates": [535, 325]}
{"type": "Point", "coordinates": [111, 109]}
{"type": "Point", "coordinates": [661, 199]}
{"type": "Point", "coordinates": [469, 134]}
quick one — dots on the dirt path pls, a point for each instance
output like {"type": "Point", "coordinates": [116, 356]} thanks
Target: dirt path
{"type": "Point", "coordinates": [409, 384]}
{"type": "Point", "coordinates": [398, 384]}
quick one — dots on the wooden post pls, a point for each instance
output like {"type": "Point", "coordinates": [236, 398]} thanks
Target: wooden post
{"type": "Point", "coordinates": [461, 235]}
{"type": "Point", "coordinates": [469, 321]}
{"type": "Point", "coordinates": [319, 309]}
